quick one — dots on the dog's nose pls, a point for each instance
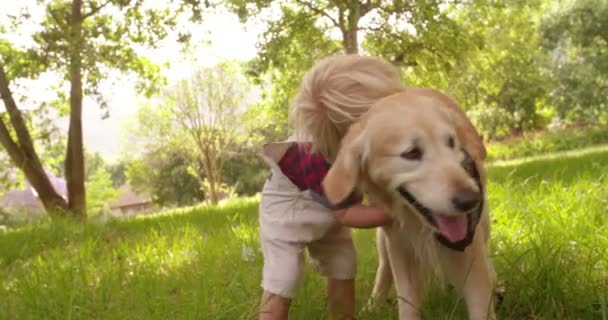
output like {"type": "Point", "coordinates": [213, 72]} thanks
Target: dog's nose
{"type": "Point", "coordinates": [466, 199]}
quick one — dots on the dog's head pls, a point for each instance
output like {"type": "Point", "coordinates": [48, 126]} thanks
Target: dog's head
{"type": "Point", "coordinates": [417, 147]}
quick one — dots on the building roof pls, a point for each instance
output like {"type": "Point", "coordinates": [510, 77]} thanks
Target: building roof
{"type": "Point", "coordinates": [129, 198]}
{"type": "Point", "coordinates": [20, 198]}
{"type": "Point", "coordinates": [28, 197]}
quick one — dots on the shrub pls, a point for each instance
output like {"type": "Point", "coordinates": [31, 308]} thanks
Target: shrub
{"type": "Point", "coordinates": [547, 141]}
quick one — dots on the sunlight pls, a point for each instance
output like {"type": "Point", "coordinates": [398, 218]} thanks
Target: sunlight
{"type": "Point", "coordinates": [219, 37]}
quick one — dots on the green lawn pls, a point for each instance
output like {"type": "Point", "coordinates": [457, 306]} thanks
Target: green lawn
{"type": "Point", "coordinates": [549, 245]}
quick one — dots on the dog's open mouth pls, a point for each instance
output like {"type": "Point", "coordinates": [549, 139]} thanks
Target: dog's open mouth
{"type": "Point", "coordinates": [452, 228]}
{"type": "Point", "coordinates": [454, 231]}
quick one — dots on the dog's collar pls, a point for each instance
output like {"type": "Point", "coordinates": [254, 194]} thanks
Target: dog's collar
{"type": "Point", "coordinates": [472, 219]}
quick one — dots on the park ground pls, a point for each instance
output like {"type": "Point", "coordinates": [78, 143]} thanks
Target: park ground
{"type": "Point", "coordinates": [549, 243]}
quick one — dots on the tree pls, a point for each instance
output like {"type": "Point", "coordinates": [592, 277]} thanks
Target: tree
{"type": "Point", "coordinates": [500, 80]}
{"type": "Point", "coordinates": [159, 160]}
{"type": "Point", "coordinates": [576, 39]}
{"type": "Point", "coordinates": [343, 16]}
{"type": "Point", "coordinates": [22, 153]}
{"type": "Point", "coordinates": [117, 173]}
{"type": "Point", "coordinates": [307, 30]}
{"type": "Point", "coordinates": [165, 175]}
{"type": "Point", "coordinates": [206, 108]}
{"type": "Point", "coordinates": [82, 41]}
{"type": "Point", "coordinates": [483, 53]}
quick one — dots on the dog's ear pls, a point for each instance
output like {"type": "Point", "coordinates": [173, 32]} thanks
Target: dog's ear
{"type": "Point", "coordinates": [344, 173]}
{"type": "Point", "coordinates": [467, 134]}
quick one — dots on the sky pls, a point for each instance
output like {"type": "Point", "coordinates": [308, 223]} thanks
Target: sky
{"type": "Point", "coordinates": [219, 37]}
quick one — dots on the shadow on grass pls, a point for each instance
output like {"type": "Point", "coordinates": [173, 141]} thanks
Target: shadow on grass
{"type": "Point", "coordinates": [563, 169]}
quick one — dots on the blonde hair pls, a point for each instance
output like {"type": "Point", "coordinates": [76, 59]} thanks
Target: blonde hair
{"type": "Point", "coordinates": [335, 93]}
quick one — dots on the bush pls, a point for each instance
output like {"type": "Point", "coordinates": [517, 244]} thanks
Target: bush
{"type": "Point", "coordinates": [547, 141]}
{"type": "Point", "coordinates": [491, 121]}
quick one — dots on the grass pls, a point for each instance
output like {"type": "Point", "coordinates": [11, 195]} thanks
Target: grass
{"type": "Point", "coordinates": [547, 142]}
{"type": "Point", "coordinates": [549, 246]}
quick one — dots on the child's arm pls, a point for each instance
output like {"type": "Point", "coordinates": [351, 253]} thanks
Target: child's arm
{"type": "Point", "coordinates": [362, 216]}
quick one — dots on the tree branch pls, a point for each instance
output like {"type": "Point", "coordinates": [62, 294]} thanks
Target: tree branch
{"type": "Point", "coordinates": [318, 11]}
{"type": "Point", "coordinates": [23, 154]}
{"type": "Point", "coordinates": [11, 147]}
{"type": "Point", "coordinates": [23, 135]}
{"type": "Point", "coordinates": [365, 8]}
{"type": "Point", "coordinates": [5, 137]}
{"type": "Point", "coordinates": [341, 20]}
{"type": "Point", "coordinates": [95, 10]}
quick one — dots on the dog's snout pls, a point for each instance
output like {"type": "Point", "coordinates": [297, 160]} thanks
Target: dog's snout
{"type": "Point", "coordinates": [466, 199]}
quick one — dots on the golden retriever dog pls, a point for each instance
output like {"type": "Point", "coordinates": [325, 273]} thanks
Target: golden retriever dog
{"type": "Point", "coordinates": [416, 154]}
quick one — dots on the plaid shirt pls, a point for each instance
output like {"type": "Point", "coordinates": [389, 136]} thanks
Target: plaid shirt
{"type": "Point", "coordinates": [306, 170]}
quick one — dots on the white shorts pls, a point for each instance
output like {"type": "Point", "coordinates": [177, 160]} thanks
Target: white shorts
{"type": "Point", "coordinates": [333, 256]}
{"type": "Point", "coordinates": [291, 221]}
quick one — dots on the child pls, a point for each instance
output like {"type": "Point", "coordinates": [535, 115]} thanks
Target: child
{"type": "Point", "coordinates": [294, 213]}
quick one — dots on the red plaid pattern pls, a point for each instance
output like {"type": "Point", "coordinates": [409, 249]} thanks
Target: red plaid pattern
{"type": "Point", "coordinates": [307, 169]}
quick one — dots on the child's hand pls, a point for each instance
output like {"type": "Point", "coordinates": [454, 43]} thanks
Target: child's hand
{"type": "Point", "coordinates": [363, 216]}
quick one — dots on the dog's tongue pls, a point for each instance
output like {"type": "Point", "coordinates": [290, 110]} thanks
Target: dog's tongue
{"type": "Point", "coordinates": [453, 228]}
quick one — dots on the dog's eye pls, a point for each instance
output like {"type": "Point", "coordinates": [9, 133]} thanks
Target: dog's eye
{"type": "Point", "coordinates": [414, 153]}
{"type": "Point", "coordinates": [451, 142]}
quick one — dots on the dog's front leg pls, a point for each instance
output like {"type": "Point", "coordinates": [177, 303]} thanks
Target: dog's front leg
{"type": "Point", "coordinates": [384, 276]}
{"type": "Point", "coordinates": [472, 273]}
{"type": "Point", "coordinates": [405, 275]}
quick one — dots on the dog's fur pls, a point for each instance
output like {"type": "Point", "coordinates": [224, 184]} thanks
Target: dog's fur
{"type": "Point", "coordinates": [374, 158]}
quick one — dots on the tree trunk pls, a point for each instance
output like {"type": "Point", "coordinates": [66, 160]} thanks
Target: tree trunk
{"type": "Point", "coordinates": [24, 156]}
{"type": "Point", "coordinates": [349, 41]}
{"type": "Point", "coordinates": [210, 175]}
{"type": "Point", "coordinates": [350, 27]}
{"type": "Point", "coordinates": [74, 162]}
{"type": "Point", "coordinates": [213, 192]}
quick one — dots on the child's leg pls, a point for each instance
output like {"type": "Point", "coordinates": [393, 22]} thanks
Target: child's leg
{"type": "Point", "coordinates": [274, 307]}
{"type": "Point", "coordinates": [341, 297]}
{"type": "Point", "coordinates": [335, 257]}
{"type": "Point", "coordinates": [281, 274]}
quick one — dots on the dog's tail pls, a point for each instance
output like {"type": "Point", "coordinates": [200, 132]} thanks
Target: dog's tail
{"type": "Point", "coordinates": [335, 93]}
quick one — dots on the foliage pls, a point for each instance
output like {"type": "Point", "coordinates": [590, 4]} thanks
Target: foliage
{"type": "Point", "coordinates": [575, 35]}
{"type": "Point", "coordinates": [158, 161]}
{"type": "Point", "coordinates": [166, 177]}
{"type": "Point", "coordinates": [547, 142]}
{"type": "Point", "coordinates": [205, 108]}
{"type": "Point", "coordinates": [287, 49]}
{"type": "Point", "coordinates": [462, 48]}
{"type": "Point", "coordinates": [94, 162]}
{"type": "Point", "coordinates": [81, 42]}
{"type": "Point", "coordinates": [420, 37]}
{"type": "Point", "coordinates": [500, 81]}
{"type": "Point", "coordinates": [549, 258]}
{"type": "Point", "coordinates": [111, 31]}
{"type": "Point", "coordinates": [246, 172]}
{"type": "Point", "coordinates": [300, 32]}
{"type": "Point", "coordinates": [117, 173]}
{"type": "Point", "coordinates": [8, 176]}
{"type": "Point", "coordinates": [100, 191]}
